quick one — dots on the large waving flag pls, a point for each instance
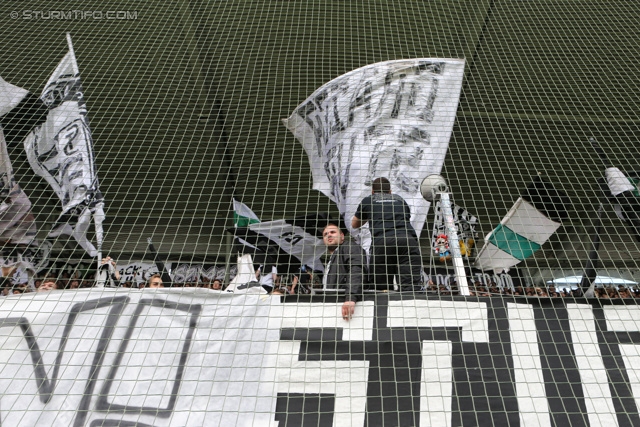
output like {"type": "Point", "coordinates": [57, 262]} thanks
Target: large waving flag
{"type": "Point", "coordinates": [532, 220]}
{"type": "Point", "coordinates": [282, 243]}
{"type": "Point", "coordinates": [391, 119]}
{"type": "Point", "coordinates": [61, 151]}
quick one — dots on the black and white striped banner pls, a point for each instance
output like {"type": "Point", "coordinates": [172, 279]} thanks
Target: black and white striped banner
{"type": "Point", "coordinates": [179, 357]}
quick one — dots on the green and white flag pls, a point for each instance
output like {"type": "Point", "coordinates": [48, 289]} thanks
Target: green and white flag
{"type": "Point", "coordinates": [520, 234]}
{"type": "Point", "coordinates": [531, 221]}
{"type": "Point", "coordinates": [243, 215]}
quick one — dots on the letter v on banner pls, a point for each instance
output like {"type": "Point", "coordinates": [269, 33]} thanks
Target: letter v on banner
{"type": "Point", "coordinates": [60, 150]}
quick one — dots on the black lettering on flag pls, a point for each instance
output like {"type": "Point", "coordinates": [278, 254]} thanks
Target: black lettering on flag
{"type": "Point", "coordinates": [427, 114]}
{"type": "Point", "coordinates": [361, 99]}
{"type": "Point", "coordinates": [398, 102]}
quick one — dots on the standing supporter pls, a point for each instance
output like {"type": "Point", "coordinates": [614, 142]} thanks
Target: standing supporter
{"type": "Point", "coordinates": [216, 285]}
{"type": "Point", "coordinates": [155, 281]}
{"type": "Point", "coordinates": [301, 283]}
{"type": "Point", "coordinates": [48, 285]}
{"type": "Point", "coordinates": [345, 267]}
{"type": "Point", "coordinates": [5, 286]}
{"type": "Point", "coordinates": [19, 290]}
{"type": "Point", "coordinates": [205, 283]}
{"type": "Point", "coordinates": [395, 246]}
{"type": "Point", "coordinates": [109, 275]}
{"type": "Point", "coordinates": [267, 277]}
{"type": "Point", "coordinates": [277, 292]}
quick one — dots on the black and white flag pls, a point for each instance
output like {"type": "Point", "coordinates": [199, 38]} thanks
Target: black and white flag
{"type": "Point", "coordinates": [294, 240]}
{"type": "Point", "coordinates": [391, 119]}
{"type": "Point", "coordinates": [17, 223]}
{"type": "Point", "coordinates": [282, 237]}
{"type": "Point", "coordinates": [61, 151]}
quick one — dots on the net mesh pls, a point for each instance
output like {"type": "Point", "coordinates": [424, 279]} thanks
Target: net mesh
{"type": "Point", "coordinates": [185, 104]}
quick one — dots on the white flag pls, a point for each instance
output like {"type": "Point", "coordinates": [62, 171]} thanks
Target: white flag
{"type": "Point", "coordinates": [10, 96]}
{"type": "Point", "coordinates": [391, 119]}
{"type": "Point", "coordinates": [61, 151]}
{"type": "Point", "coordinates": [625, 196]}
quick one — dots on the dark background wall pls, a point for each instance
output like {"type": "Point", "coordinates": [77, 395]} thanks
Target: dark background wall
{"type": "Point", "coordinates": [185, 103]}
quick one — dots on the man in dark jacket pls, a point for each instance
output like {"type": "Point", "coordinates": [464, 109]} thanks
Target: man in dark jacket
{"type": "Point", "coordinates": [344, 268]}
{"type": "Point", "coordinates": [395, 246]}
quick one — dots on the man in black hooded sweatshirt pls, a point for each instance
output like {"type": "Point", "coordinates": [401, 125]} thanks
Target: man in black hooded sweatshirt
{"type": "Point", "coordinates": [395, 249]}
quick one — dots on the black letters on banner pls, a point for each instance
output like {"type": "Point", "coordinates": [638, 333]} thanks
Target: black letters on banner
{"type": "Point", "coordinates": [483, 386]}
{"type": "Point", "coordinates": [484, 381]}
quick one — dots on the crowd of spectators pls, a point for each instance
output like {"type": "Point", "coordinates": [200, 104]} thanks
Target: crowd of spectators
{"type": "Point", "coordinates": [481, 290]}
{"type": "Point", "coordinates": [52, 282]}
{"type": "Point", "coordinates": [307, 283]}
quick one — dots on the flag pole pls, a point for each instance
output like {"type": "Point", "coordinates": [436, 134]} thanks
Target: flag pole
{"type": "Point", "coordinates": [454, 244]}
{"type": "Point", "coordinates": [587, 284]}
{"type": "Point", "coordinates": [97, 222]}
{"type": "Point", "coordinates": [231, 178]}
{"type": "Point", "coordinates": [589, 278]}
{"type": "Point", "coordinates": [229, 243]}
{"type": "Point", "coordinates": [162, 268]}
{"type": "Point", "coordinates": [431, 187]}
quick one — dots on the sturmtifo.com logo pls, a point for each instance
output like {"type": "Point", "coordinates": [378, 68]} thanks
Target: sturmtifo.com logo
{"type": "Point", "coordinates": [58, 15]}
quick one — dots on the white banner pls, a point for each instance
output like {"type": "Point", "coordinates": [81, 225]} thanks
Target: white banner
{"type": "Point", "coordinates": [152, 357]}
{"type": "Point", "coordinates": [195, 357]}
{"type": "Point", "coordinates": [139, 271]}
{"type": "Point", "coordinates": [391, 119]}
